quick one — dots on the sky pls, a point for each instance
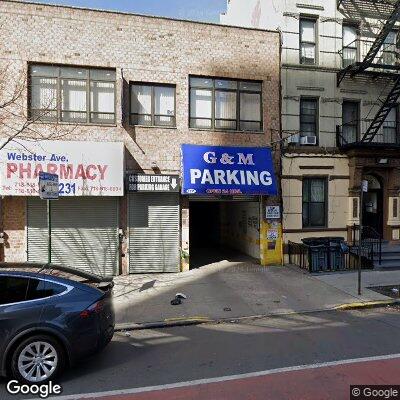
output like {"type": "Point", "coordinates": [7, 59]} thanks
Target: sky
{"type": "Point", "coordinates": [199, 10]}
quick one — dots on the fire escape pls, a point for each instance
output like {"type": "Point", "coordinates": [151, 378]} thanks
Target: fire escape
{"type": "Point", "coordinates": [372, 59]}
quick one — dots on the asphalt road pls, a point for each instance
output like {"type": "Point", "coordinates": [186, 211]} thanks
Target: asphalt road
{"type": "Point", "coordinates": [166, 356]}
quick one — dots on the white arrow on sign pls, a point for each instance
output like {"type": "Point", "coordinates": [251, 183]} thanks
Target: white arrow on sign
{"type": "Point", "coordinates": [174, 184]}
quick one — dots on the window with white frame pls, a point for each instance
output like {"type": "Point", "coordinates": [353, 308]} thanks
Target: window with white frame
{"type": "Point", "coordinates": [152, 104]}
{"type": "Point", "coordinates": [350, 45]}
{"type": "Point", "coordinates": [71, 94]}
{"type": "Point", "coordinates": [308, 41]}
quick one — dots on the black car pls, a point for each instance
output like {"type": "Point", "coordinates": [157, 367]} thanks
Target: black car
{"type": "Point", "coordinates": [51, 317]}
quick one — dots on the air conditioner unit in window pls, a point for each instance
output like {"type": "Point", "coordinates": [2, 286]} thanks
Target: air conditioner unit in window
{"type": "Point", "coordinates": [294, 139]}
{"type": "Point", "coordinates": [308, 140]}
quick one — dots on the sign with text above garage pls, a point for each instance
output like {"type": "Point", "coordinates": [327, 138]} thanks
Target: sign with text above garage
{"type": "Point", "coordinates": [221, 170]}
{"type": "Point", "coordinates": [142, 183]}
{"type": "Point", "coordinates": [83, 168]}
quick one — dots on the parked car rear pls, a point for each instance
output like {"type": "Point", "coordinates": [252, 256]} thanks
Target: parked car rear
{"type": "Point", "coordinates": [51, 317]}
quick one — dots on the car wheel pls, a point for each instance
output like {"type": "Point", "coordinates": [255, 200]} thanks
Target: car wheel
{"type": "Point", "coordinates": [37, 359]}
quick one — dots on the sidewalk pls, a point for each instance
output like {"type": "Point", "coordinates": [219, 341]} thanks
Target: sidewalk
{"type": "Point", "coordinates": [239, 288]}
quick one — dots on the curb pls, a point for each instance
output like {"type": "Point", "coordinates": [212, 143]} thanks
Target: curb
{"type": "Point", "coordinates": [167, 323]}
{"type": "Point", "coordinates": [175, 322]}
{"type": "Point", "coordinates": [367, 304]}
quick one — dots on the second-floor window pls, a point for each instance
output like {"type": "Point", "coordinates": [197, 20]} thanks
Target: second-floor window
{"type": "Point", "coordinates": [309, 117]}
{"type": "Point", "coordinates": [72, 94]}
{"type": "Point", "coordinates": [350, 45]}
{"type": "Point", "coordinates": [351, 121]}
{"type": "Point", "coordinates": [152, 104]}
{"type": "Point", "coordinates": [308, 41]}
{"type": "Point", "coordinates": [225, 104]}
{"type": "Point", "coordinates": [389, 127]}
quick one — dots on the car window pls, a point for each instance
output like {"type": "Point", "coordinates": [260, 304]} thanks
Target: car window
{"type": "Point", "coordinates": [13, 289]}
{"type": "Point", "coordinates": [40, 289]}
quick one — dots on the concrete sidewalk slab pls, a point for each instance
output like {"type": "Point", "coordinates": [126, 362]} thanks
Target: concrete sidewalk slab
{"type": "Point", "coordinates": [235, 289]}
{"type": "Point", "coordinates": [347, 282]}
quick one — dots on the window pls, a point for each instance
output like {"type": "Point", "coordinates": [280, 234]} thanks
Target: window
{"type": "Point", "coordinates": [389, 49]}
{"type": "Point", "coordinates": [314, 202]}
{"type": "Point", "coordinates": [350, 45]}
{"type": "Point", "coordinates": [40, 289]}
{"type": "Point", "coordinates": [225, 104]}
{"type": "Point", "coordinates": [389, 128]}
{"type": "Point", "coordinates": [13, 289]}
{"type": "Point", "coordinates": [72, 94]}
{"type": "Point", "coordinates": [152, 104]}
{"type": "Point", "coordinates": [308, 117]}
{"type": "Point", "coordinates": [308, 42]}
{"type": "Point", "coordinates": [351, 121]}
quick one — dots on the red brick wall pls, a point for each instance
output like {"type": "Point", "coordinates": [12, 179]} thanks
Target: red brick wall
{"type": "Point", "coordinates": [14, 217]}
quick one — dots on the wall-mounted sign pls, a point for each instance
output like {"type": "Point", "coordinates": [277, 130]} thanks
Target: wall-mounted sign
{"type": "Point", "coordinates": [152, 183]}
{"type": "Point", "coordinates": [217, 170]}
{"type": "Point", "coordinates": [272, 234]}
{"type": "Point", "coordinates": [83, 168]}
{"type": "Point", "coordinates": [364, 186]}
{"type": "Point", "coordinates": [48, 186]}
{"type": "Point", "coordinates": [273, 212]}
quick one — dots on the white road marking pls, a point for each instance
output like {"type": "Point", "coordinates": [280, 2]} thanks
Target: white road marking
{"type": "Point", "coordinates": [223, 378]}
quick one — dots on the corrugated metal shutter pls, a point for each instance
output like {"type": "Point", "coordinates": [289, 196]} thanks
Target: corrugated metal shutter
{"type": "Point", "coordinates": [84, 233]}
{"type": "Point", "coordinates": [154, 232]}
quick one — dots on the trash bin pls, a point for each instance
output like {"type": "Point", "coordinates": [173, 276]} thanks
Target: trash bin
{"type": "Point", "coordinates": [325, 253]}
{"type": "Point", "coordinates": [318, 258]}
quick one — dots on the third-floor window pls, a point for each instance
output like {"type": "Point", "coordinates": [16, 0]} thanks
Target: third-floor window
{"type": "Point", "coordinates": [225, 104]}
{"type": "Point", "coordinates": [350, 45]}
{"type": "Point", "coordinates": [71, 94]}
{"type": "Point", "coordinates": [308, 41]}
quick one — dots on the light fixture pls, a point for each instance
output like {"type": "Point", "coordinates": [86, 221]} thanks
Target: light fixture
{"type": "Point", "coordinates": [382, 161]}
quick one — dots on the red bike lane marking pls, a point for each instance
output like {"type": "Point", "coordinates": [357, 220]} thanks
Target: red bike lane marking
{"type": "Point", "coordinates": [323, 383]}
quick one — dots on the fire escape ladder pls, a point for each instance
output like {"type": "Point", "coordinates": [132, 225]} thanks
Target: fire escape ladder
{"type": "Point", "coordinates": [380, 40]}
{"type": "Point", "coordinates": [380, 117]}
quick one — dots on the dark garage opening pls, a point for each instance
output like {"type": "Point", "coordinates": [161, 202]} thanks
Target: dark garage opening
{"type": "Point", "coordinates": [222, 231]}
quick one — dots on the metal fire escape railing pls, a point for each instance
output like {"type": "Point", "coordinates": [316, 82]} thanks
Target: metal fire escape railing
{"type": "Point", "coordinates": [369, 58]}
{"type": "Point", "coordinates": [380, 117]}
{"type": "Point", "coordinates": [369, 61]}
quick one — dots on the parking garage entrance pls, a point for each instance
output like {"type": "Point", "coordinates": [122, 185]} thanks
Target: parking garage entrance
{"type": "Point", "coordinates": [223, 229]}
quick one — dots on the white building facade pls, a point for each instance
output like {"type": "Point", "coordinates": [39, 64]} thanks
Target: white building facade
{"type": "Point", "coordinates": [339, 111]}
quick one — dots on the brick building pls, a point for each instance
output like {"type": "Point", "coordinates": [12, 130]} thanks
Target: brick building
{"type": "Point", "coordinates": [150, 84]}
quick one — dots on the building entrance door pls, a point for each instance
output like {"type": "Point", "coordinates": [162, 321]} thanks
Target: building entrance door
{"type": "Point", "coordinates": [373, 206]}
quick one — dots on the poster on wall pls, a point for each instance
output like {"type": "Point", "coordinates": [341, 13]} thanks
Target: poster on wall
{"type": "Point", "coordinates": [272, 234]}
{"type": "Point", "coordinates": [222, 170]}
{"type": "Point", "coordinates": [83, 168]}
{"type": "Point", "coordinates": [273, 212]}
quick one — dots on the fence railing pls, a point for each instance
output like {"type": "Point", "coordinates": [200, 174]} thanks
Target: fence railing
{"type": "Point", "coordinates": [356, 51]}
{"type": "Point", "coordinates": [352, 133]}
{"type": "Point", "coordinates": [370, 239]}
{"type": "Point", "coordinates": [325, 258]}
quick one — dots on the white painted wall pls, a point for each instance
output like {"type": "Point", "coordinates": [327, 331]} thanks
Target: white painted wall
{"type": "Point", "coordinates": [317, 81]}
{"type": "Point", "coordinates": [240, 227]}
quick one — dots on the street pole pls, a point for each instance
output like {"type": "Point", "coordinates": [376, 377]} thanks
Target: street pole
{"type": "Point", "coordinates": [49, 230]}
{"type": "Point", "coordinates": [360, 238]}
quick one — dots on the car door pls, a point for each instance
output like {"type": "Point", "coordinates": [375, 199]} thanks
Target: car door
{"type": "Point", "coordinates": [17, 312]}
